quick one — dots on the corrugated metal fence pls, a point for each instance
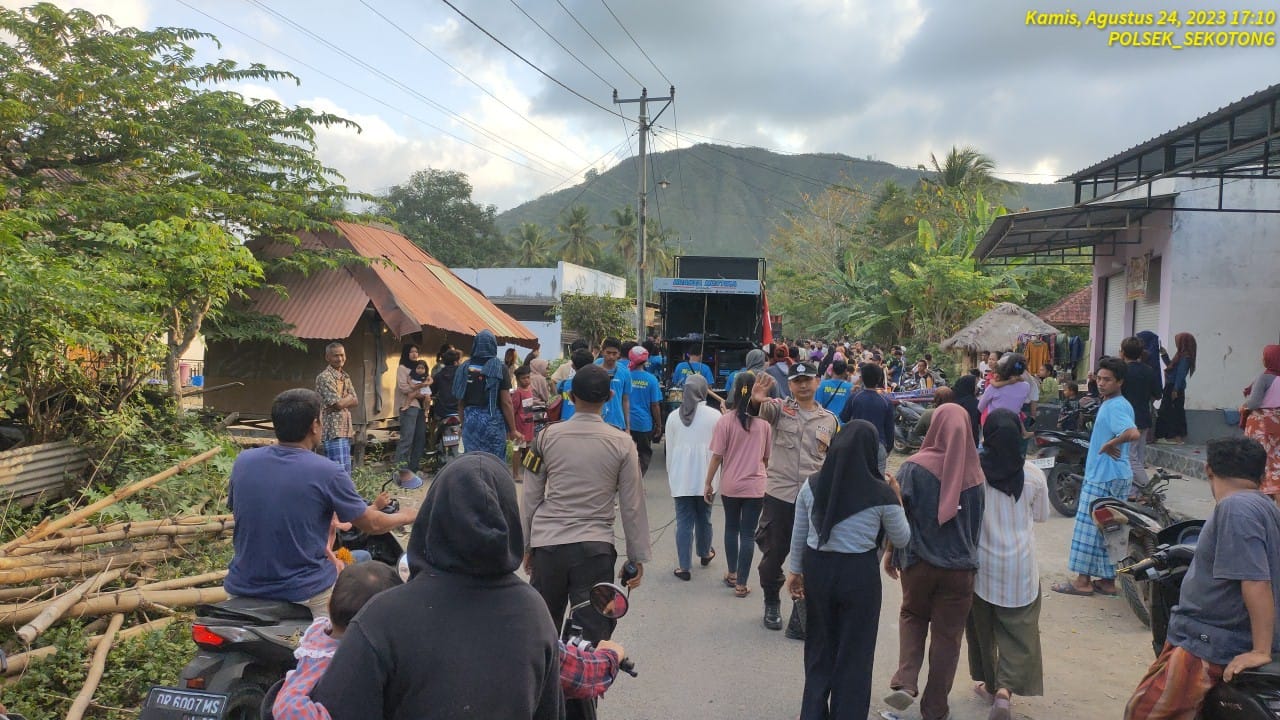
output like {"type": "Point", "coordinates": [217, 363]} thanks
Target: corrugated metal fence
{"type": "Point", "coordinates": [28, 473]}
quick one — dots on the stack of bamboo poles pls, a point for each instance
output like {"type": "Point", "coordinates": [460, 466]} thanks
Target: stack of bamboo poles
{"type": "Point", "coordinates": [110, 570]}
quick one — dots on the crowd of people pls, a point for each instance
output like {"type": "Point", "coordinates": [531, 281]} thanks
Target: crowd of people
{"type": "Point", "coordinates": [796, 449]}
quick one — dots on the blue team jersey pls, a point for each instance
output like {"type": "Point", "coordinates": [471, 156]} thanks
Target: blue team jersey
{"type": "Point", "coordinates": [685, 369]}
{"type": "Point", "coordinates": [654, 365]}
{"type": "Point", "coordinates": [832, 394]}
{"type": "Point", "coordinates": [644, 390]}
{"type": "Point", "coordinates": [566, 398]}
{"type": "Point", "coordinates": [620, 384]}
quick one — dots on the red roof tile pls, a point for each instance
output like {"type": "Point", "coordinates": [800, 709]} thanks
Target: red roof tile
{"type": "Point", "coordinates": [1074, 309]}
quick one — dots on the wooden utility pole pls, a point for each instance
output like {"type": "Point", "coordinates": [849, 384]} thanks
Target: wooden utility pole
{"type": "Point", "coordinates": [641, 251]}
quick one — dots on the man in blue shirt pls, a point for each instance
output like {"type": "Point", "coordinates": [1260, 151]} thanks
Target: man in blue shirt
{"type": "Point", "coordinates": [285, 498]}
{"type": "Point", "coordinates": [656, 361]}
{"type": "Point", "coordinates": [578, 359]}
{"type": "Point", "coordinates": [834, 391]}
{"type": "Point", "coordinates": [646, 407]}
{"type": "Point", "coordinates": [618, 409]}
{"type": "Point", "coordinates": [693, 365]}
{"type": "Point", "coordinates": [870, 405]}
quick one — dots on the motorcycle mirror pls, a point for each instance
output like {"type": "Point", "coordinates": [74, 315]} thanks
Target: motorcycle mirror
{"type": "Point", "coordinates": [402, 567]}
{"type": "Point", "coordinates": [404, 480]}
{"type": "Point", "coordinates": [609, 600]}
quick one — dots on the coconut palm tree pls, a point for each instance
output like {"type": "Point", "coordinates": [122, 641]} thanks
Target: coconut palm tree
{"type": "Point", "coordinates": [623, 230]}
{"type": "Point", "coordinates": [657, 248]}
{"type": "Point", "coordinates": [532, 244]}
{"type": "Point", "coordinates": [966, 169]}
{"type": "Point", "coordinates": [576, 243]}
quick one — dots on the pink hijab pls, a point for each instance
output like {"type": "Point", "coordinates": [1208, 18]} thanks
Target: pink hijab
{"type": "Point", "coordinates": [948, 452]}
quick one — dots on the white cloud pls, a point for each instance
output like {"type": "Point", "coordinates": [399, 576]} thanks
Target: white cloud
{"type": "Point", "coordinates": [125, 13]}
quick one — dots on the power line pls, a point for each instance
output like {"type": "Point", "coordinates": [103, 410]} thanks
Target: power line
{"type": "Point", "coordinates": [468, 78]}
{"type": "Point", "coordinates": [633, 40]}
{"type": "Point", "coordinates": [562, 45]}
{"type": "Point", "coordinates": [675, 120]}
{"type": "Point", "coordinates": [388, 78]}
{"type": "Point", "coordinates": [526, 61]}
{"type": "Point", "coordinates": [598, 43]}
{"type": "Point", "coordinates": [363, 93]}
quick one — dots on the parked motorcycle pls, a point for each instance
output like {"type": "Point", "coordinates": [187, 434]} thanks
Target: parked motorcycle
{"type": "Point", "coordinates": [1062, 457]}
{"type": "Point", "coordinates": [612, 602]}
{"type": "Point", "coordinates": [905, 416]}
{"type": "Point", "coordinates": [245, 645]}
{"type": "Point", "coordinates": [446, 434]}
{"type": "Point", "coordinates": [1251, 695]}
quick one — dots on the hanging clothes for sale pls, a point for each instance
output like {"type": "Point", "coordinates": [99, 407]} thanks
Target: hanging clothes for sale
{"type": "Point", "coordinates": [1039, 352]}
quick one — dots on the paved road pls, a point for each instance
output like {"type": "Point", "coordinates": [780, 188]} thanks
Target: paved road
{"type": "Point", "coordinates": [703, 653]}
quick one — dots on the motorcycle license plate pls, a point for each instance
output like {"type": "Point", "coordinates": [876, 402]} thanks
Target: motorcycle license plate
{"type": "Point", "coordinates": [451, 438]}
{"type": "Point", "coordinates": [1045, 463]}
{"type": "Point", "coordinates": [169, 703]}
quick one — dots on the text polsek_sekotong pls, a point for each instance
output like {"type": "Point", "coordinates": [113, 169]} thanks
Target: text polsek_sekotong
{"type": "Point", "coordinates": [1192, 39]}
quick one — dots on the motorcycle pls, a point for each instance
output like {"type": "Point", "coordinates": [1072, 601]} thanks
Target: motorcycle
{"type": "Point", "coordinates": [1131, 531]}
{"type": "Point", "coordinates": [612, 602]}
{"type": "Point", "coordinates": [245, 645]}
{"type": "Point", "coordinates": [905, 416]}
{"type": "Point", "coordinates": [447, 434]}
{"type": "Point", "coordinates": [1062, 457]}
{"type": "Point", "coordinates": [1251, 695]}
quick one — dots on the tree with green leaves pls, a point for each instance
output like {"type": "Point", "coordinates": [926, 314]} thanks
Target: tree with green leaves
{"type": "Point", "coordinates": [623, 228]}
{"type": "Point", "coordinates": [577, 244]}
{"type": "Point", "coordinates": [120, 156]}
{"type": "Point", "coordinates": [595, 317]}
{"type": "Point", "coordinates": [533, 246]}
{"type": "Point", "coordinates": [435, 210]}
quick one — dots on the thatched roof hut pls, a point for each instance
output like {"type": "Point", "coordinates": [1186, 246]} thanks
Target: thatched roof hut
{"type": "Point", "coordinates": [998, 329]}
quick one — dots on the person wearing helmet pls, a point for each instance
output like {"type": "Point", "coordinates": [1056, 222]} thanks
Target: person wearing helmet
{"type": "Point", "coordinates": [646, 406]}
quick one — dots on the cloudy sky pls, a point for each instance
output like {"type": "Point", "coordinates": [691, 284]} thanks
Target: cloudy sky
{"type": "Point", "coordinates": [893, 80]}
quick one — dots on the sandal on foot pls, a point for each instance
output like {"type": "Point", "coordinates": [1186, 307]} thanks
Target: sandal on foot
{"type": "Point", "coordinates": [707, 560]}
{"type": "Point", "coordinates": [682, 574]}
{"type": "Point", "coordinates": [899, 699]}
{"type": "Point", "coordinates": [731, 579]}
{"type": "Point", "coordinates": [742, 591]}
{"type": "Point", "coordinates": [1000, 710]}
{"type": "Point", "coordinates": [1067, 588]}
{"type": "Point", "coordinates": [980, 689]}
{"type": "Point", "coordinates": [1098, 589]}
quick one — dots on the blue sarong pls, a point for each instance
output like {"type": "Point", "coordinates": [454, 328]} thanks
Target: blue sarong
{"type": "Point", "coordinates": [484, 431]}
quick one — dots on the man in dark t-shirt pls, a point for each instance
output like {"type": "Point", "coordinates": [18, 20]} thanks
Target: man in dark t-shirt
{"type": "Point", "coordinates": [285, 498]}
{"type": "Point", "coordinates": [1225, 620]}
{"type": "Point", "coordinates": [1141, 386]}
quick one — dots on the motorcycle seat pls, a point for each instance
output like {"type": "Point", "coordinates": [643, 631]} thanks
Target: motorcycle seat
{"type": "Point", "coordinates": [254, 610]}
{"type": "Point", "coordinates": [1269, 673]}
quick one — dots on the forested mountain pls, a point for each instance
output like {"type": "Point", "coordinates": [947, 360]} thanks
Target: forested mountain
{"type": "Point", "coordinates": [726, 200]}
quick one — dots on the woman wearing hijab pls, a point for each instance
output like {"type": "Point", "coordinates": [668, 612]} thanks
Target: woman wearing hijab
{"type": "Point", "coordinates": [413, 394]}
{"type": "Point", "coordinates": [1003, 631]}
{"type": "Point", "coordinates": [482, 386]}
{"type": "Point", "coordinates": [1171, 422]}
{"type": "Point", "coordinates": [541, 385]}
{"type": "Point", "coordinates": [740, 448]}
{"type": "Point", "coordinates": [841, 512]}
{"type": "Point", "coordinates": [943, 497]}
{"type": "Point", "coordinates": [689, 432]}
{"type": "Point", "coordinates": [1261, 411]}
{"type": "Point", "coordinates": [754, 363]}
{"type": "Point", "coordinates": [966, 389]}
{"type": "Point", "coordinates": [463, 608]}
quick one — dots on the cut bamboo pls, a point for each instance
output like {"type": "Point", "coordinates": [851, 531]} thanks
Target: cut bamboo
{"type": "Point", "coordinates": [49, 527]}
{"type": "Point", "coordinates": [71, 543]}
{"type": "Point", "coordinates": [21, 661]}
{"type": "Point", "coordinates": [24, 593]}
{"type": "Point", "coordinates": [59, 605]}
{"type": "Point", "coordinates": [119, 601]}
{"type": "Point", "coordinates": [96, 668]}
{"type": "Point", "coordinates": [85, 567]}
{"type": "Point", "coordinates": [185, 582]}
{"type": "Point", "coordinates": [51, 559]}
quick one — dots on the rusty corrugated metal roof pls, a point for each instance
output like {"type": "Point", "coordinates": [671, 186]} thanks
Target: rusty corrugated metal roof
{"type": "Point", "coordinates": [325, 305]}
{"type": "Point", "coordinates": [410, 289]}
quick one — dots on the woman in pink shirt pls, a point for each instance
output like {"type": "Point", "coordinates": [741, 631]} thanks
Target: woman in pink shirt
{"type": "Point", "coordinates": [740, 451]}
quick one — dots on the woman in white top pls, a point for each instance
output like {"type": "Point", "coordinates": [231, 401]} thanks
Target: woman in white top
{"type": "Point", "coordinates": [689, 432]}
{"type": "Point", "coordinates": [1003, 631]}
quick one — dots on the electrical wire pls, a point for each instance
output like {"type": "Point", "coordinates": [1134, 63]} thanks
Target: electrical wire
{"type": "Point", "coordinates": [559, 169]}
{"type": "Point", "coordinates": [633, 41]}
{"type": "Point", "coordinates": [562, 45]}
{"type": "Point", "coordinates": [675, 120]}
{"type": "Point", "coordinates": [598, 43]}
{"type": "Point", "coordinates": [528, 62]}
{"type": "Point", "coordinates": [365, 94]}
{"type": "Point", "coordinates": [468, 78]}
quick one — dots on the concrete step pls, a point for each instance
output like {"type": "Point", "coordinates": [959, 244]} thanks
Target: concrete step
{"type": "Point", "coordinates": [1187, 460]}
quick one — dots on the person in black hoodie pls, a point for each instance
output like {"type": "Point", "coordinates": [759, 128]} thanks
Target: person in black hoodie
{"type": "Point", "coordinates": [465, 637]}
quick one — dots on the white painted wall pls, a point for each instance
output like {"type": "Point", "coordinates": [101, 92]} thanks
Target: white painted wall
{"type": "Point", "coordinates": [1220, 279]}
{"type": "Point", "coordinates": [549, 283]}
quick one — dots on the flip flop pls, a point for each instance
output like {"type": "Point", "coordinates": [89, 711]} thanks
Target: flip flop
{"type": "Point", "coordinates": [899, 699]}
{"type": "Point", "coordinates": [731, 579]}
{"type": "Point", "coordinates": [980, 689]}
{"type": "Point", "coordinates": [1069, 589]}
{"type": "Point", "coordinates": [682, 574]}
{"type": "Point", "coordinates": [1098, 589]}
{"type": "Point", "coordinates": [707, 560]}
{"type": "Point", "coordinates": [1000, 710]}
{"type": "Point", "coordinates": [742, 591]}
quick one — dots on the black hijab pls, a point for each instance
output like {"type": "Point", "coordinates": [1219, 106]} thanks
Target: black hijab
{"type": "Point", "coordinates": [469, 523]}
{"type": "Point", "coordinates": [966, 389]}
{"type": "Point", "coordinates": [849, 480]}
{"type": "Point", "coordinates": [1002, 455]}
